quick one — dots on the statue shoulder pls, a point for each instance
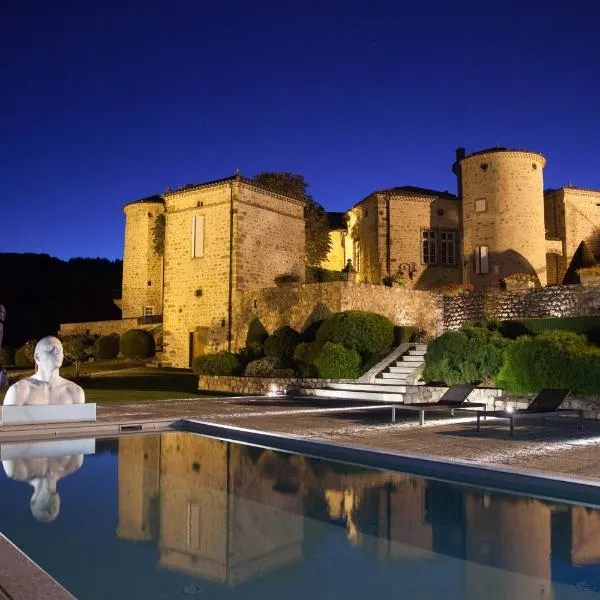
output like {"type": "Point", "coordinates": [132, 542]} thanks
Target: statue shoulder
{"type": "Point", "coordinates": [16, 392]}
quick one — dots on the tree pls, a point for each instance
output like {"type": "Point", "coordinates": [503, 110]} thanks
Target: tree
{"type": "Point", "coordinates": [317, 242]}
{"type": "Point", "coordinates": [77, 348]}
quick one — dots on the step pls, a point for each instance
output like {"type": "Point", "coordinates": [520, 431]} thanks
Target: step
{"type": "Point", "coordinates": [413, 359]}
{"type": "Point", "coordinates": [421, 347]}
{"type": "Point", "coordinates": [346, 395]}
{"type": "Point", "coordinates": [417, 352]}
{"type": "Point", "coordinates": [365, 387]}
{"type": "Point", "coordinates": [402, 368]}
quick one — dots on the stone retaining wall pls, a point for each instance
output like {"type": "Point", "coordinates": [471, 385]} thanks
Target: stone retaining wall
{"type": "Point", "coordinates": [259, 385]}
{"type": "Point", "coordinates": [101, 327]}
{"type": "Point", "coordinates": [553, 301]}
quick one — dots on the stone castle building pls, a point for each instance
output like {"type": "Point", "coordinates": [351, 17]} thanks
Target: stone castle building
{"type": "Point", "coordinates": [229, 243]}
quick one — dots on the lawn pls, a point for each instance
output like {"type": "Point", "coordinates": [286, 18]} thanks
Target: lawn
{"type": "Point", "coordinates": [125, 381]}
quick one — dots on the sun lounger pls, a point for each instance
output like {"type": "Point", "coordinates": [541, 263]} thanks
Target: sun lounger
{"type": "Point", "coordinates": [454, 399]}
{"type": "Point", "coordinates": [544, 405]}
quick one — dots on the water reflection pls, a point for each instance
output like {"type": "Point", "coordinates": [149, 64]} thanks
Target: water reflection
{"type": "Point", "coordinates": [227, 513]}
{"type": "Point", "coordinates": [42, 465]}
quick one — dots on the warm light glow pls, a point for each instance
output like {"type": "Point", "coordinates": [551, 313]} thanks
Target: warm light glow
{"type": "Point", "coordinates": [509, 409]}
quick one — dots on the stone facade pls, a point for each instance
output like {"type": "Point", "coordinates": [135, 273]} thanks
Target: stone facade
{"type": "Point", "coordinates": [553, 301]}
{"type": "Point", "coordinates": [250, 236]}
{"type": "Point", "coordinates": [142, 292]}
{"type": "Point", "coordinates": [101, 327]}
{"type": "Point", "coordinates": [301, 305]}
{"type": "Point", "coordinates": [503, 212]}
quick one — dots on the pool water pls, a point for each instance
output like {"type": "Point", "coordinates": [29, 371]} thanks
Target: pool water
{"type": "Point", "coordinates": [180, 515]}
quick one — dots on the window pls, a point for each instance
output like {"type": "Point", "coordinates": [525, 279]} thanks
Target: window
{"type": "Point", "coordinates": [429, 247]}
{"type": "Point", "coordinates": [193, 527]}
{"type": "Point", "coordinates": [148, 311]}
{"type": "Point", "coordinates": [448, 247]}
{"type": "Point", "coordinates": [480, 205]}
{"type": "Point", "coordinates": [197, 236]}
{"type": "Point", "coordinates": [481, 260]}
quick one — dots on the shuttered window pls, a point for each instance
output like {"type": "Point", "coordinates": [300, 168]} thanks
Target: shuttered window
{"type": "Point", "coordinates": [197, 236]}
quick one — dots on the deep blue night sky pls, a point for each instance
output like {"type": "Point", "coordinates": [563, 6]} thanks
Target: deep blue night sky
{"type": "Point", "coordinates": [106, 102]}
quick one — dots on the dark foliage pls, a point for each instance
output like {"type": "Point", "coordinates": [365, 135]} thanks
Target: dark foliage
{"type": "Point", "coordinates": [256, 336]}
{"type": "Point", "coordinates": [107, 346]}
{"type": "Point", "coordinates": [40, 292]}
{"type": "Point", "coordinates": [137, 343]}
{"type": "Point", "coordinates": [282, 343]}
{"type": "Point", "coordinates": [269, 366]}
{"type": "Point", "coordinates": [219, 363]}
{"type": "Point", "coordinates": [335, 361]}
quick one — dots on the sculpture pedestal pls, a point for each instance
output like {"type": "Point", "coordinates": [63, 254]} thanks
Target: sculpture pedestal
{"type": "Point", "coordinates": [48, 413]}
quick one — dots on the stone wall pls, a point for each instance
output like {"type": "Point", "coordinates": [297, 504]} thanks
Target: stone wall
{"type": "Point", "coordinates": [260, 385]}
{"type": "Point", "coordinates": [300, 305]}
{"type": "Point", "coordinates": [101, 327]}
{"type": "Point", "coordinates": [555, 301]}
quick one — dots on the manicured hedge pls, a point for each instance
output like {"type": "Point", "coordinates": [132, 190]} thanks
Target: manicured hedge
{"type": "Point", "coordinates": [106, 346]}
{"type": "Point", "coordinates": [269, 366]}
{"type": "Point", "coordinates": [588, 326]}
{"type": "Point", "coordinates": [335, 361]}
{"type": "Point", "coordinates": [365, 332]}
{"type": "Point", "coordinates": [137, 343]}
{"type": "Point", "coordinates": [555, 359]}
{"type": "Point", "coordinates": [282, 343]}
{"type": "Point", "coordinates": [471, 355]}
{"type": "Point", "coordinates": [218, 363]}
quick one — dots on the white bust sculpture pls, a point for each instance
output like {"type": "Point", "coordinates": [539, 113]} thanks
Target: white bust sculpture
{"type": "Point", "coordinates": [43, 474]}
{"type": "Point", "coordinates": [45, 386]}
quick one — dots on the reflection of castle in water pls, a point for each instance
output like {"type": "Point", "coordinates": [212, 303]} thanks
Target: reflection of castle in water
{"type": "Point", "coordinates": [226, 513]}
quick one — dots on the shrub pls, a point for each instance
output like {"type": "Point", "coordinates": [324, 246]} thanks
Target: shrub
{"type": "Point", "coordinates": [247, 355]}
{"type": "Point", "coordinates": [106, 346]}
{"type": "Point", "coordinates": [282, 343]}
{"type": "Point", "coordinates": [588, 325]}
{"type": "Point", "coordinates": [456, 289]}
{"type": "Point", "coordinates": [219, 363]}
{"type": "Point", "coordinates": [24, 355]}
{"type": "Point", "coordinates": [304, 358]}
{"type": "Point", "coordinates": [7, 356]}
{"type": "Point", "coordinates": [557, 359]}
{"type": "Point", "coordinates": [365, 332]}
{"type": "Point", "coordinates": [137, 343]}
{"type": "Point", "coordinates": [319, 275]}
{"type": "Point", "coordinates": [256, 336]}
{"type": "Point", "coordinates": [335, 361]}
{"type": "Point", "coordinates": [269, 366]}
{"type": "Point", "coordinates": [471, 355]}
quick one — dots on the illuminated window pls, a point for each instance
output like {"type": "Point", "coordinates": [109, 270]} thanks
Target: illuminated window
{"type": "Point", "coordinates": [448, 247]}
{"type": "Point", "coordinates": [429, 246]}
{"type": "Point", "coordinates": [481, 260]}
{"type": "Point", "coordinates": [198, 236]}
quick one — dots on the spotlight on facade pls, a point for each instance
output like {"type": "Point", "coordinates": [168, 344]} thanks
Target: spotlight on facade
{"type": "Point", "coordinates": [509, 409]}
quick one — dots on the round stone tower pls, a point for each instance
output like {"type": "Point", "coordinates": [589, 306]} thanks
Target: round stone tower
{"type": "Point", "coordinates": [142, 266]}
{"type": "Point", "coordinates": [502, 193]}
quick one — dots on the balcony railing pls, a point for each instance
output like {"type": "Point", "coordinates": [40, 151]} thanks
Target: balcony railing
{"type": "Point", "coordinates": [150, 319]}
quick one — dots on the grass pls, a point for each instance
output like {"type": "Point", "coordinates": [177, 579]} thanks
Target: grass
{"type": "Point", "coordinates": [125, 381]}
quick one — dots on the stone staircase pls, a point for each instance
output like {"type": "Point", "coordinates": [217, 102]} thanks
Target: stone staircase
{"type": "Point", "coordinates": [389, 386]}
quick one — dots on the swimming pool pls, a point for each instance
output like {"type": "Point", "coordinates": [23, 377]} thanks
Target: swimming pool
{"type": "Point", "coordinates": [184, 515]}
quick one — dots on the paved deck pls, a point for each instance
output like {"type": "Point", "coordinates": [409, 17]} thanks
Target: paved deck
{"type": "Point", "coordinates": [559, 448]}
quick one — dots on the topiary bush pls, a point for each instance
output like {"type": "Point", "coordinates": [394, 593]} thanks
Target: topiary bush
{"type": "Point", "coordinates": [471, 355]}
{"type": "Point", "coordinates": [256, 336]}
{"type": "Point", "coordinates": [304, 358]}
{"type": "Point", "coordinates": [219, 363]}
{"type": "Point", "coordinates": [7, 356]}
{"type": "Point", "coordinates": [137, 343]}
{"type": "Point", "coordinates": [555, 359]}
{"type": "Point", "coordinates": [335, 361]}
{"type": "Point", "coordinates": [106, 346]}
{"type": "Point", "coordinates": [269, 366]}
{"type": "Point", "coordinates": [282, 343]}
{"type": "Point", "coordinates": [365, 332]}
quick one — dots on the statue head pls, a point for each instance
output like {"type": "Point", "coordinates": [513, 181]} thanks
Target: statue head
{"type": "Point", "coordinates": [44, 503]}
{"type": "Point", "coordinates": [48, 353]}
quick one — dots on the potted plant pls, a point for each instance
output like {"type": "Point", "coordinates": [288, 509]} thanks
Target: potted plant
{"type": "Point", "coordinates": [589, 276]}
{"type": "Point", "coordinates": [519, 281]}
{"type": "Point", "coordinates": [400, 280]}
{"type": "Point", "coordinates": [388, 281]}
